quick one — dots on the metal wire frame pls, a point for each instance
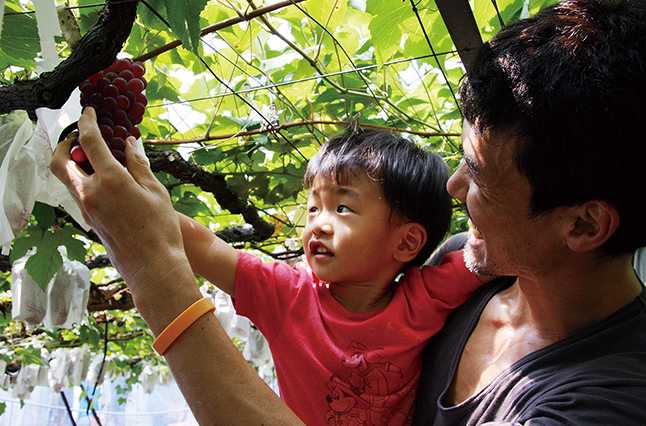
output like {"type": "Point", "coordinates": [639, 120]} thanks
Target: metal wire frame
{"type": "Point", "coordinates": [354, 69]}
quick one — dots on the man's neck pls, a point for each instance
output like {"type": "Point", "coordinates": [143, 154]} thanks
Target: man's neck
{"type": "Point", "coordinates": [570, 299]}
{"type": "Point", "coordinates": [537, 311]}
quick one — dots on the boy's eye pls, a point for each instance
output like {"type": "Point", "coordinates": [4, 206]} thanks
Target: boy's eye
{"type": "Point", "coordinates": [343, 209]}
{"type": "Point", "coordinates": [312, 209]}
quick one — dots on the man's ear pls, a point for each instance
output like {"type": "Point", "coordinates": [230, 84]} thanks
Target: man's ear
{"type": "Point", "coordinates": [413, 238]}
{"type": "Point", "coordinates": [594, 222]}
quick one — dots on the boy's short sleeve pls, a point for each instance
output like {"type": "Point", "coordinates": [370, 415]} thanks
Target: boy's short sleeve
{"type": "Point", "coordinates": [266, 291]}
{"type": "Point", "coordinates": [445, 286]}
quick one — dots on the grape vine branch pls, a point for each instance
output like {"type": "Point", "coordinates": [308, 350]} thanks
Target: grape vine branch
{"type": "Point", "coordinates": [101, 43]}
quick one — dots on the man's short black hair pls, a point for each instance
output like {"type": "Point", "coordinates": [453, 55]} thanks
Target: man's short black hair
{"type": "Point", "coordinates": [570, 85]}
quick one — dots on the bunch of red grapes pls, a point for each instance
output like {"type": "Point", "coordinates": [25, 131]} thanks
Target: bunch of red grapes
{"type": "Point", "coordinates": [117, 95]}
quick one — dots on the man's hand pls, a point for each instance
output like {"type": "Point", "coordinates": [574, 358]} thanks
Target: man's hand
{"type": "Point", "coordinates": [128, 208]}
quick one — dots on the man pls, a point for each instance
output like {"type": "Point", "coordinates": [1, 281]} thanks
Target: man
{"type": "Point", "coordinates": [552, 181]}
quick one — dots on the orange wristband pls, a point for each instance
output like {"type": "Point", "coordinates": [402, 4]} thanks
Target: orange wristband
{"type": "Point", "coordinates": [181, 323]}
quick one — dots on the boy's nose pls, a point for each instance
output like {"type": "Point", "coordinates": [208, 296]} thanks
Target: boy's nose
{"type": "Point", "coordinates": [322, 224]}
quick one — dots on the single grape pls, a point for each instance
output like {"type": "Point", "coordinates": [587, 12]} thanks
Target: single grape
{"type": "Point", "coordinates": [110, 91]}
{"type": "Point", "coordinates": [123, 102]}
{"type": "Point", "coordinates": [88, 88]}
{"type": "Point", "coordinates": [121, 84]}
{"type": "Point", "coordinates": [120, 156]}
{"type": "Point", "coordinates": [95, 99]}
{"type": "Point", "coordinates": [106, 132]}
{"type": "Point", "coordinates": [138, 69]}
{"type": "Point", "coordinates": [137, 109]}
{"type": "Point", "coordinates": [118, 116]}
{"type": "Point", "coordinates": [101, 83]}
{"type": "Point", "coordinates": [125, 122]}
{"type": "Point", "coordinates": [117, 144]}
{"type": "Point", "coordinates": [120, 132]}
{"type": "Point", "coordinates": [110, 104]}
{"type": "Point", "coordinates": [142, 99]}
{"type": "Point", "coordinates": [126, 75]}
{"type": "Point", "coordinates": [106, 122]}
{"type": "Point", "coordinates": [134, 131]}
{"type": "Point", "coordinates": [135, 85]}
{"type": "Point", "coordinates": [103, 113]}
{"type": "Point", "coordinates": [111, 75]}
{"type": "Point", "coordinates": [134, 120]}
{"type": "Point", "coordinates": [131, 96]}
{"type": "Point", "coordinates": [78, 155]}
{"type": "Point", "coordinates": [122, 64]}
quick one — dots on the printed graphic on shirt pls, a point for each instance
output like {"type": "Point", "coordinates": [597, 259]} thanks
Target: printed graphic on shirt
{"type": "Point", "coordinates": [372, 392]}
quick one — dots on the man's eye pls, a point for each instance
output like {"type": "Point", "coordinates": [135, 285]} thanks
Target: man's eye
{"type": "Point", "coordinates": [343, 209]}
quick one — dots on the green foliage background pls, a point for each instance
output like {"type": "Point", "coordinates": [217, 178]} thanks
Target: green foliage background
{"type": "Point", "coordinates": [310, 66]}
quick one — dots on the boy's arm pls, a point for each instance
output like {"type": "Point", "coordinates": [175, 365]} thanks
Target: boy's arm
{"type": "Point", "coordinates": [209, 256]}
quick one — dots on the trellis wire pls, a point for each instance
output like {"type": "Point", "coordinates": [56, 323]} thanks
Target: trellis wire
{"type": "Point", "coordinates": [434, 55]}
{"type": "Point", "coordinates": [287, 83]}
{"type": "Point", "coordinates": [495, 6]}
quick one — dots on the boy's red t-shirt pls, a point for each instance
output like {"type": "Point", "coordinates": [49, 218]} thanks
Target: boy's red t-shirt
{"type": "Point", "coordinates": [334, 366]}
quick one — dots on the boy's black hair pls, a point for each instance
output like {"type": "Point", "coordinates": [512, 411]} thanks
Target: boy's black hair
{"type": "Point", "coordinates": [413, 179]}
{"type": "Point", "coordinates": [570, 85]}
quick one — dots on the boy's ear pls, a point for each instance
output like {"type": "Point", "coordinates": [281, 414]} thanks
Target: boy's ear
{"type": "Point", "coordinates": [413, 238]}
{"type": "Point", "coordinates": [594, 222]}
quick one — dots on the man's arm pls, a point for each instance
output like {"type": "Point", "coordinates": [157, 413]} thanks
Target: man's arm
{"type": "Point", "coordinates": [132, 214]}
{"type": "Point", "coordinates": [209, 256]}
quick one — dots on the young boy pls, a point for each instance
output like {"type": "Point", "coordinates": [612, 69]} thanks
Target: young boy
{"type": "Point", "coordinates": [345, 333]}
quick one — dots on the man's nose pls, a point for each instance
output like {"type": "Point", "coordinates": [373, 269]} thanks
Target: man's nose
{"type": "Point", "coordinates": [458, 184]}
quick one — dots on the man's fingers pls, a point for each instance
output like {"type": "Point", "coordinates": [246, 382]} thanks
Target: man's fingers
{"type": "Point", "coordinates": [137, 165]}
{"type": "Point", "coordinates": [60, 157]}
{"type": "Point", "coordinates": [90, 138]}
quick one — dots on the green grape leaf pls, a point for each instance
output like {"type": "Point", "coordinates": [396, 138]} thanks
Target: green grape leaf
{"type": "Point", "coordinates": [329, 13]}
{"type": "Point", "coordinates": [30, 355]}
{"type": "Point", "coordinates": [44, 215]}
{"type": "Point", "coordinates": [384, 27]}
{"type": "Point", "coordinates": [191, 206]}
{"type": "Point", "coordinates": [46, 261]}
{"type": "Point", "coordinates": [184, 19]}
{"type": "Point", "coordinates": [31, 237]}
{"type": "Point", "coordinates": [19, 42]}
{"type": "Point", "coordinates": [90, 335]}
{"type": "Point", "coordinates": [75, 248]}
{"type": "Point", "coordinates": [148, 17]}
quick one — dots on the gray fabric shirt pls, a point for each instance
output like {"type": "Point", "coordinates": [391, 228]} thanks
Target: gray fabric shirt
{"type": "Point", "coordinates": [639, 263]}
{"type": "Point", "coordinates": [595, 377]}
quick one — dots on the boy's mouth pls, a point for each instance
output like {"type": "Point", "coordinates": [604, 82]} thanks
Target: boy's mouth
{"type": "Point", "coordinates": [318, 248]}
